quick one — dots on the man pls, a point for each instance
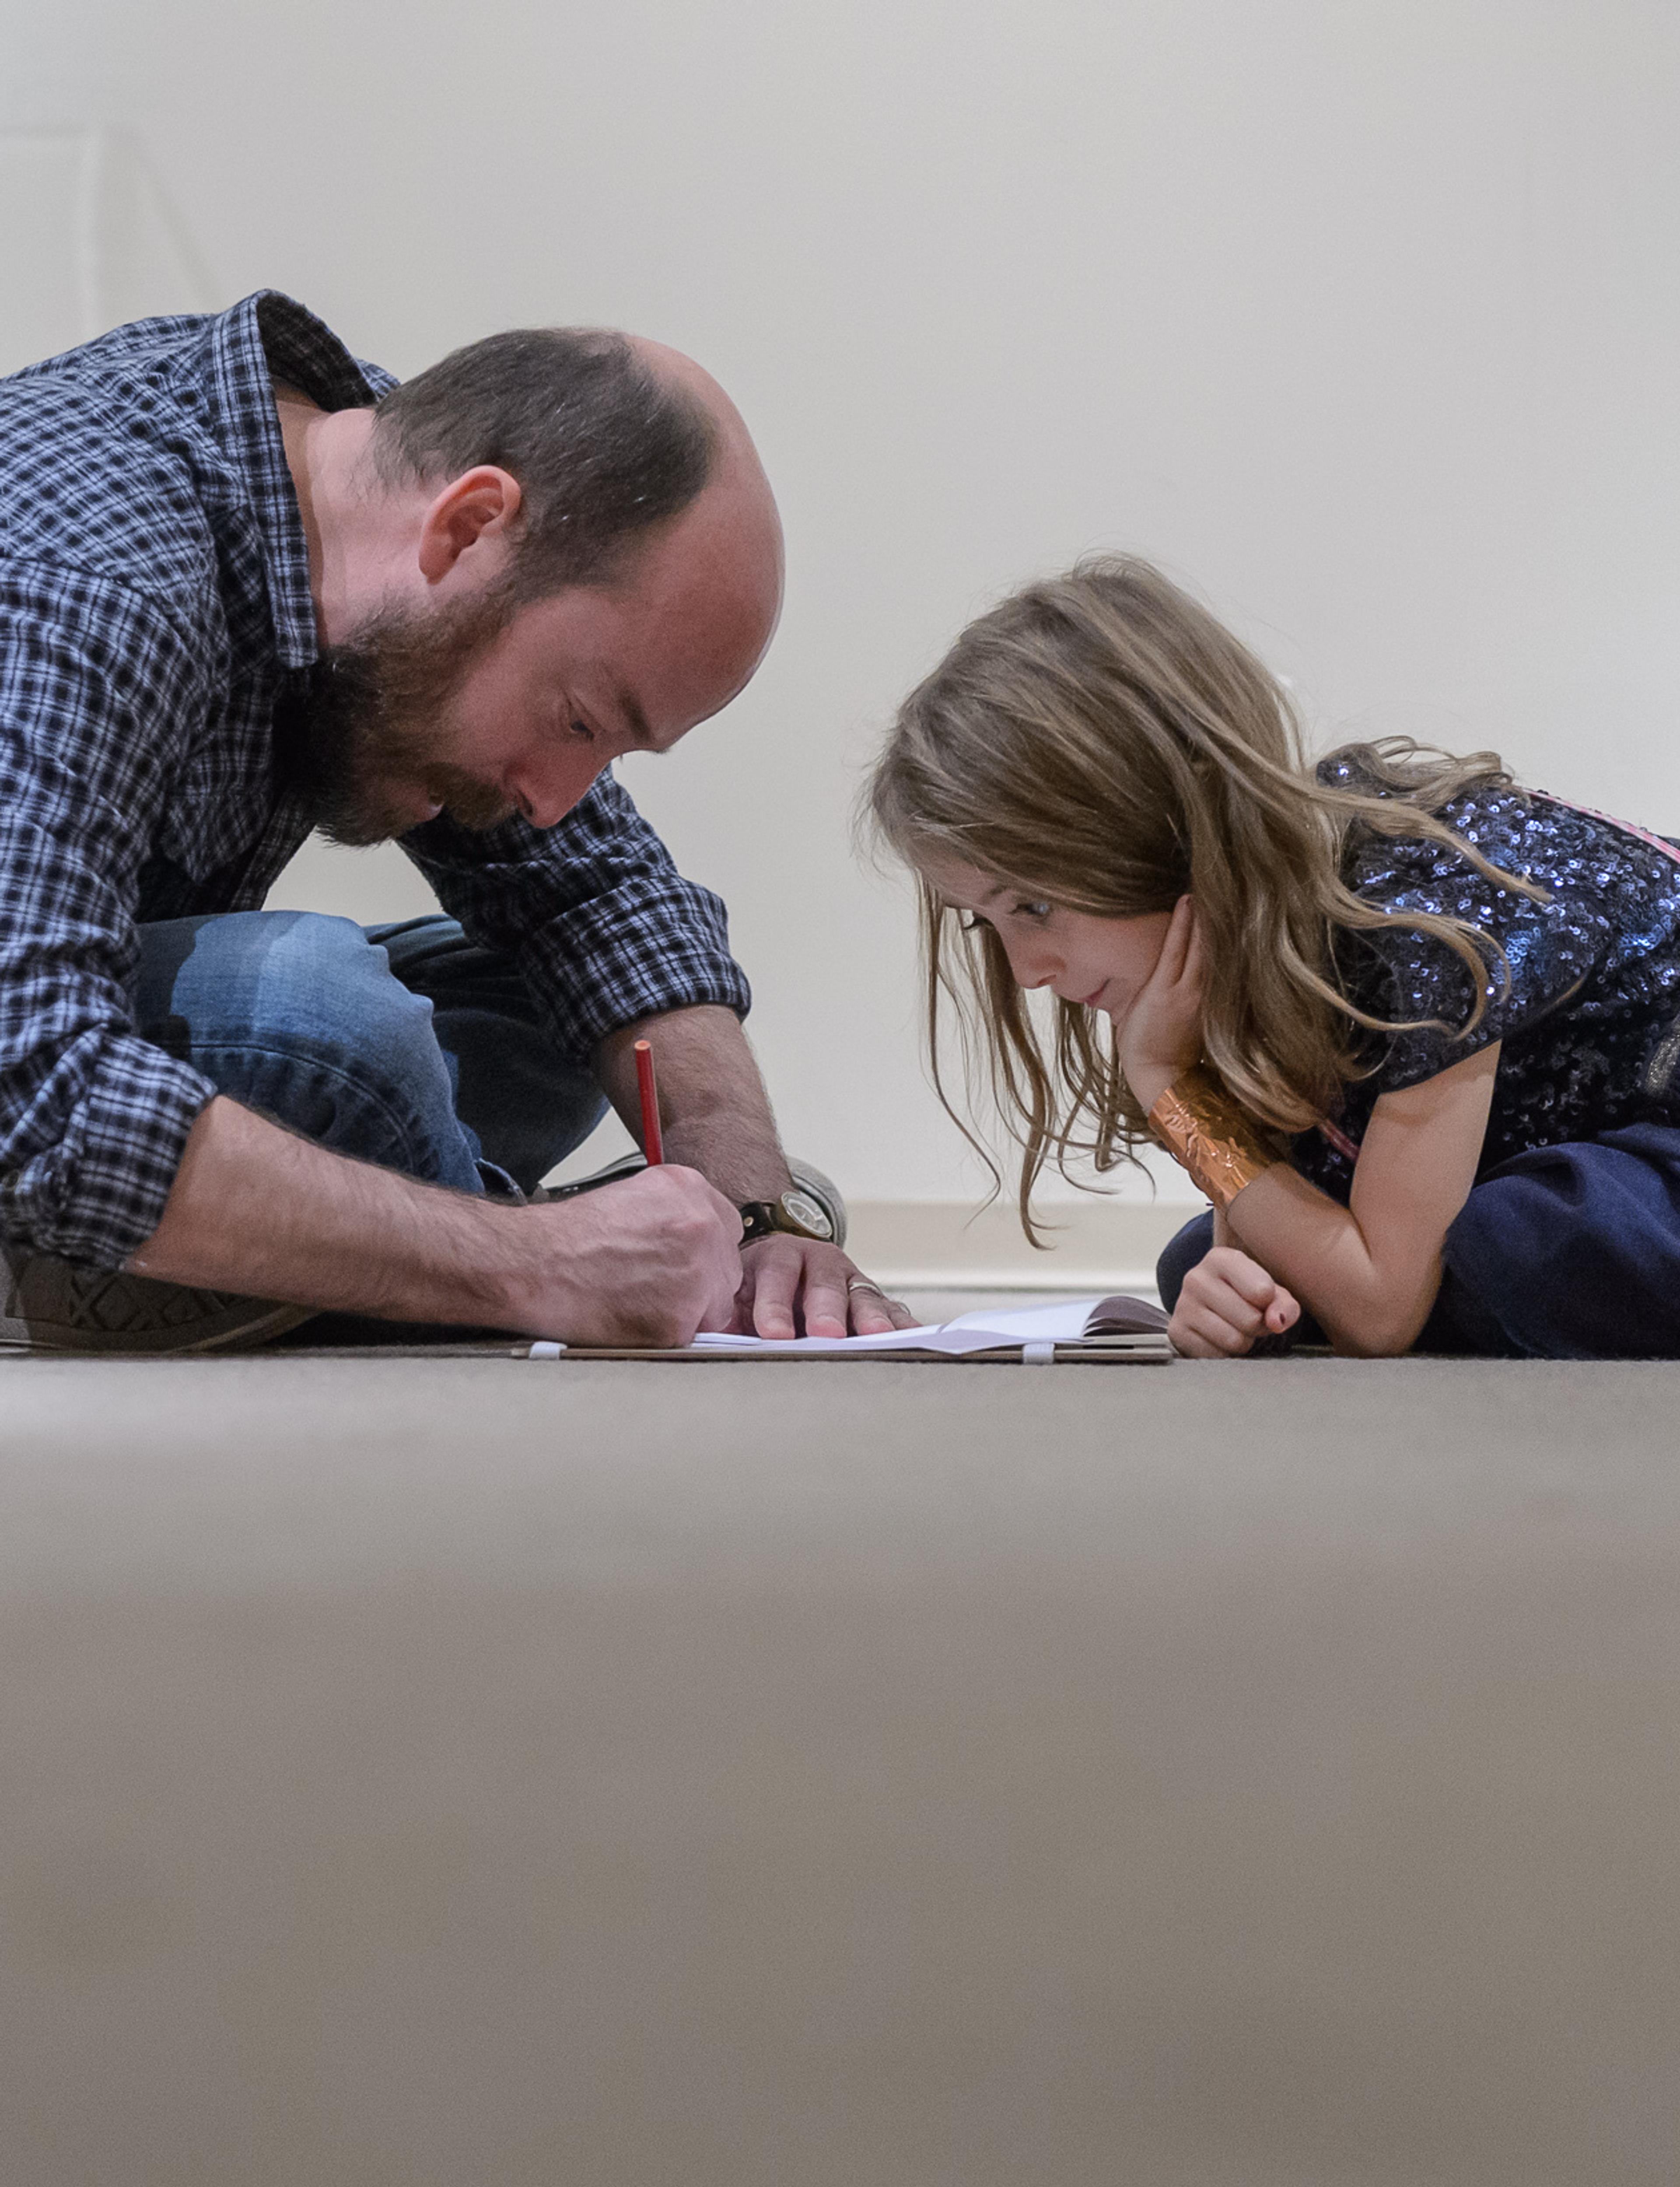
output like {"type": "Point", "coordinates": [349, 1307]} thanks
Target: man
{"type": "Point", "coordinates": [249, 587]}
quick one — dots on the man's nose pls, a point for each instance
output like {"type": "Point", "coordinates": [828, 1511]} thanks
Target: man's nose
{"type": "Point", "coordinates": [547, 788]}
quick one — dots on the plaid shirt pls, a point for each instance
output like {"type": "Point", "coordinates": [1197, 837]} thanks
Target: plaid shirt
{"type": "Point", "coordinates": [154, 616]}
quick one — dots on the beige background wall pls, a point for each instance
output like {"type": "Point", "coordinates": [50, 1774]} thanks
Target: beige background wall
{"type": "Point", "coordinates": [1365, 318]}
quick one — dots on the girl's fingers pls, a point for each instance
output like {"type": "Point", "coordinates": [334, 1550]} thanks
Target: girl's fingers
{"type": "Point", "coordinates": [1229, 1265]}
{"type": "Point", "coordinates": [1227, 1302]}
{"type": "Point", "coordinates": [1232, 1307]}
{"type": "Point", "coordinates": [1211, 1296]}
{"type": "Point", "coordinates": [1169, 966]}
{"type": "Point", "coordinates": [1283, 1314]}
{"type": "Point", "coordinates": [1192, 972]}
{"type": "Point", "coordinates": [1202, 1334]}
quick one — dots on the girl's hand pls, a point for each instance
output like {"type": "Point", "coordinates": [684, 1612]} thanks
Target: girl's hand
{"type": "Point", "coordinates": [1228, 1303]}
{"type": "Point", "coordinates": [1161, 1036]}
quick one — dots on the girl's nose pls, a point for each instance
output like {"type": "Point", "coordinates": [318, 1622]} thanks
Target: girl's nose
{"type": "Point", "coordinates": [1033, 968]}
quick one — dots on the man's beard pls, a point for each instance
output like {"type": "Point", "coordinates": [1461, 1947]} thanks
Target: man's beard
{"type": "Point", "coordinates": [374, 729]}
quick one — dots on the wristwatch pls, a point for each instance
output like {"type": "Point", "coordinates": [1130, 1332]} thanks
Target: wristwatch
{"type": "Point", "coordinates": [796, 1212]}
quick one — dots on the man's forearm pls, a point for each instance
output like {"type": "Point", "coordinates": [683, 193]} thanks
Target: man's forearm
{"type": "Point", "coordinates": [648, 1260]}
{"type": "Point", "coordinates": [256, 1210]}
{"type": "Point", "coordinates": [714, 1110]}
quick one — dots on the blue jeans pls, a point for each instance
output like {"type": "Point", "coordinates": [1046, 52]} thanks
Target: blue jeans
{"type": "Point", "coordinates": [405, 1045]}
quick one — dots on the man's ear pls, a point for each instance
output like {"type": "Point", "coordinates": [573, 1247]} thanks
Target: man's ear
{"type": "Point", "coordinates": [472, 517]}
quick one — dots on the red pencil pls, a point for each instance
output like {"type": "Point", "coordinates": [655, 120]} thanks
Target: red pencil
{"type": "Point", "coordinates": [652, 1144]}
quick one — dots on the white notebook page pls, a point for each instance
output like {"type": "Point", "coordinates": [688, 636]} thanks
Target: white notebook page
{"type": "Point", "coordinates": [984, 1330]}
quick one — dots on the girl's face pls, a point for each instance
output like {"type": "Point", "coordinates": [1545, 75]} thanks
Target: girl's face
{"type": "Point", "coordinates": [1102, 963]}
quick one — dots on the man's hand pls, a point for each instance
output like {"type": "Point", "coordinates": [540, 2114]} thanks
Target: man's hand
{"type": "Point", "coordinates": [1228, 1303]}
{"type": "Point", "coordinates": [257, 1211]}
{"type": "Point", "coordinates": [716, 1117]}
{"type": "Point", "coordinates": [786, 1280]}
{"type": "Point", "coordinates": [646, 1261]}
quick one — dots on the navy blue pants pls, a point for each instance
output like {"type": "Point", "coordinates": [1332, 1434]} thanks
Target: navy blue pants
{"type": "Point", "coordinates": [1566, 1252]}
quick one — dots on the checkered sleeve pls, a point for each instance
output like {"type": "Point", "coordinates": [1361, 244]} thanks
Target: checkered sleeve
{"type": "Point", "coordinates": [606, 928]}
{"type": "Point", "coordinates": [97, 688]}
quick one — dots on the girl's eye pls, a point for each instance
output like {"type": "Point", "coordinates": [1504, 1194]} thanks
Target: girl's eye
{"type": "Point", "coordinates": [1032, 911]}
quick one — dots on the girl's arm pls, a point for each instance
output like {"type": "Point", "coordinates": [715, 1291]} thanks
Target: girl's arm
{"type": "Point", "coordinates": [1370, 1271]}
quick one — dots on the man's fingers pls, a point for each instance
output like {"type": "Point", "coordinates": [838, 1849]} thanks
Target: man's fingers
{"type": "Point", "coordinates": [797, 1287]}
{"type": "Point", "coordinates": [795, 1281]}
{"type": "Point", "coordinates": [772, 1280]}
{"type": "Point", "coordinates": [837, 1293]}
{"type": "Point", "coordinates": [826, 1304]}
{"type": "Point", "coordinates": [872, 1313]}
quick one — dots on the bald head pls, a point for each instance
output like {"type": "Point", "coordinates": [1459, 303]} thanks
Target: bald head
{"type": "Point", "coordinates": [721, 557]}
{"type": "Point", "coordinates": [691, 382]}
{"type": "Point", "coordinates": [553, 548]}
{"type": "Point", "coordinates": [610, 438]}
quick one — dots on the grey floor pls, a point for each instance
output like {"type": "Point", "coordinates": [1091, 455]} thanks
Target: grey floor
{"type": "Point", "coordinates": [476, 1771]}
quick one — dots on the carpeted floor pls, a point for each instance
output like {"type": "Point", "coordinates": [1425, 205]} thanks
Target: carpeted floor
{"type": "Point", "coordinates": [469, 1771]}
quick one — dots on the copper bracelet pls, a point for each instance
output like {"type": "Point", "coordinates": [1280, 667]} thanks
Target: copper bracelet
{"type": "Point", "coordinates": [1206, 1133]}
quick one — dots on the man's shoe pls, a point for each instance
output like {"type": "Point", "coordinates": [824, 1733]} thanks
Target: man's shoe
{"type": "Point", "coordinates": [50, 1305]}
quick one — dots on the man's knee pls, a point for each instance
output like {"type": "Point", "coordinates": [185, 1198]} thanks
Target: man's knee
{"type": "Point", "coordinates": [528, 1102]}
{"type": "Point", "coordinates": [296, 1014]}
{"type": "Point", "coordinates": [285, 977]}
{"type": "Point", "coordinates": [334, 992]}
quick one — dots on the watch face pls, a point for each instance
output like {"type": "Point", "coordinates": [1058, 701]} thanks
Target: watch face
{"type": "Point", "coordinates": [801, 1209]}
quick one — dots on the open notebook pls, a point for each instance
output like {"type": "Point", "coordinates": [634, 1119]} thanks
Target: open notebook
{"type": "Point", "coordinates": [1085, 1330]}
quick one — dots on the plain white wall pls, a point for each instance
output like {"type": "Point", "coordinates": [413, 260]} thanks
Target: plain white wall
{"type": "Point", "coordinates": [1365, 318]}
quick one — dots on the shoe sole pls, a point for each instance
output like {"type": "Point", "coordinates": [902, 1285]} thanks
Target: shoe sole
{"type": "Point", "coordinates": [54, 1307]}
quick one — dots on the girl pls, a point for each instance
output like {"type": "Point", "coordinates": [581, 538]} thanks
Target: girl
{"type": "Point", "coordinates": [1415, 1031]}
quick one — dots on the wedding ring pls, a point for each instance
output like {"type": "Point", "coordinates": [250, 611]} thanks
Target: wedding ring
{"type": "Point", "coordinates": [863, 1284]}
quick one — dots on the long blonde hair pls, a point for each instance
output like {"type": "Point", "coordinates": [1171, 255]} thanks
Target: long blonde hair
{"type": "Point", "coordinates": [1101, 740]}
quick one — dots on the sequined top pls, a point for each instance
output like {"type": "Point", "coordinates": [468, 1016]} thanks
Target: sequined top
{"type": "Point", "coordinates": [1590, 1018]}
